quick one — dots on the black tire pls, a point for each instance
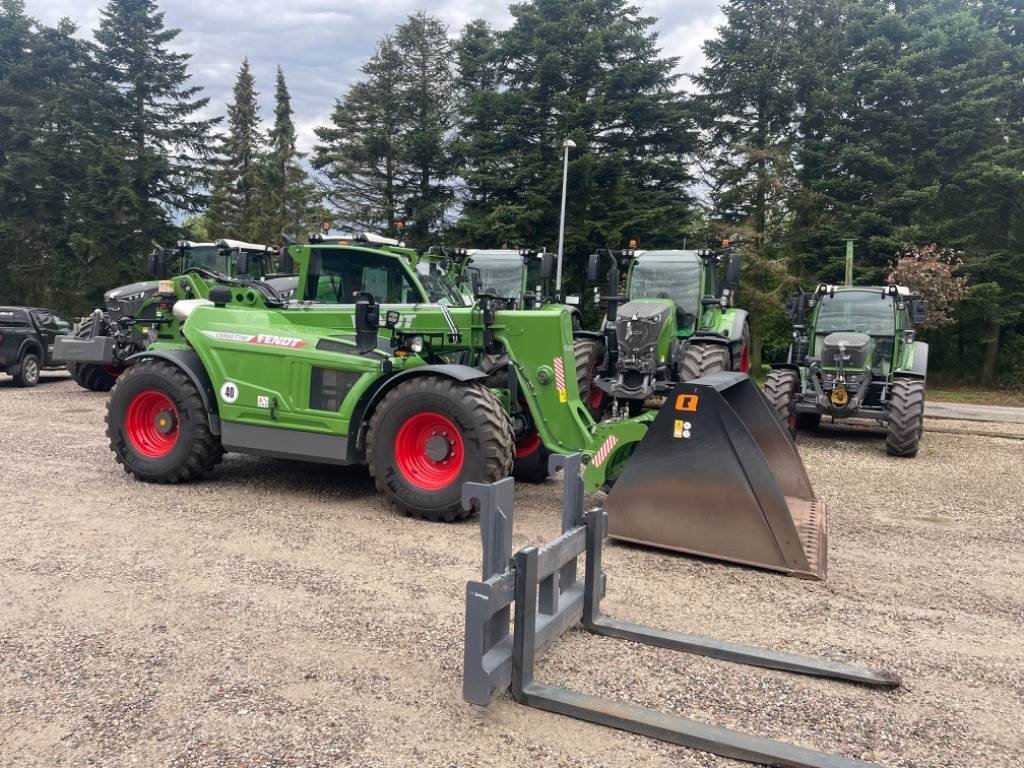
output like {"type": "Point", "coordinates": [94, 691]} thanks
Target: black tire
{"type": "Point", "coordinates": [589, 354]}
{"type": "Point", "coordinates": [28, 370]}
{"type": "Point", "coordinates": [89, 376]}
{"type": "Point", "coordinates": [533, 467]}
{"type": "Point", "coordinates": [701, 359]}
{"type": "Point", "coordinates": [780, 388]}
{"type": "Point", "coordinates": [485, 434]}
{"type": "Point", "coordinates": [906, 417]}
{"type": "Point", "coordinates": [195, 451]}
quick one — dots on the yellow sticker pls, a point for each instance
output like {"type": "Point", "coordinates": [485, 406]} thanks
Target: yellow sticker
{"type": "Point", "coordinates": [677, 429]}
{"type": "Point", "coordinates": [686, 403]}
{"type": "Point", "coordinates": [563, 396]}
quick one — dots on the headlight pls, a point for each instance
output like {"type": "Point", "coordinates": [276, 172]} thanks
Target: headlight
{"type": "Point", "coordinates": [286, 295]}
{"type": "Point", "coordinates": [416, 344]}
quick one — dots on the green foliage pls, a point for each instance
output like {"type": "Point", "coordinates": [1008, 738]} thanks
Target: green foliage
{"type": "Point", "coordinates": [387, 154]}
{"type": "Point", "coordinates": [588, 70]}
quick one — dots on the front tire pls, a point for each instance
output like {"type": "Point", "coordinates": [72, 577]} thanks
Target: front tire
{"type": "Point", "coordinates": [428, 436]}
{"type": "Point", "coordinates": [96, 378]}
{"type": "Point", "coordinates": [780, 388]}
{"type": "Point", "coordinates": [28, 371]}
{"type": "Point", "coordinates": [588, 355]}
{"type": "Point", "coordinates": [158, 425]}
{"type": "Point", "coordinates": [702, 359]}
{"type": "Point", "coordinates": [906, 418]}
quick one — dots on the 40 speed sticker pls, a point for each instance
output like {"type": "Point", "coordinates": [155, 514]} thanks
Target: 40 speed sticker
{"type": "Point", "coordinates": [265, 339]}
{"type": "Point", "coordinates": [229, 392]}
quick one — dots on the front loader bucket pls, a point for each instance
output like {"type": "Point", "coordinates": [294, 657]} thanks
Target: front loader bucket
{"type": "Point", "coordinates": [718, 476]}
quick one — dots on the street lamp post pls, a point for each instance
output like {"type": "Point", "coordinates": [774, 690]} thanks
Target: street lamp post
{"type": "Point", "coordinates": [567, 144]}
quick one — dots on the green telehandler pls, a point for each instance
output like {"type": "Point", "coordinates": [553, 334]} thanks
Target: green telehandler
{"type": "Point", "coordinates": [360, 369]}
{"type": "Point", "coordinates": [854, 354]}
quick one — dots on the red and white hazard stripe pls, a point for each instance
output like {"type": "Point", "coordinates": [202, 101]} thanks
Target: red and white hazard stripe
{"type": "Point", "coordinates": [605, 450]}
{"type": "Point", "coordinates": [559, 373]}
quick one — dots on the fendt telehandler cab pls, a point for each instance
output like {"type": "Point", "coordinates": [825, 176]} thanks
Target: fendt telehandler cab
{"type": "Point", "coordinates": [363, 369]}
{"type": "Point", "coordinates": [674, 323]}
{"type": "Point", "coordinates": [856, 356]}
{"type": "Point", "coordinates": [98, 347]}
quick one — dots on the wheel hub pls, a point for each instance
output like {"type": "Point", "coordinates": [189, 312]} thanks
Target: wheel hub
{"type": "Point", "coordinates": [438, 447]}
{"type": "Point", "coordinates": [165, 423]}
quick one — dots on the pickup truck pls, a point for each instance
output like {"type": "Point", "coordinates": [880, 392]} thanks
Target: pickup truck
{"type": "Point", "coordinates": [26, 342]}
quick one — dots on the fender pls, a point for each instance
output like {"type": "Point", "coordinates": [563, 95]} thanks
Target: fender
{"type": "Point", "coordinates": [738, 321]}
{"type": "Point", "coordinates": [456, 372]}
{"type": "Point", "coordinates": [31, 345]}
{"type": "Point", "coordinates": [189, 362]}
{"type": "Point", "coordinates": [785, 367]}
{"type": "Point", "coordinates": [596, 335]}
{"type": "Point", "coordinates": [919, 369]}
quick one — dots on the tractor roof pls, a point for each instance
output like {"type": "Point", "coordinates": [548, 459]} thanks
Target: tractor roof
{"type": "Point", "coordinates": [668, 255]}
{"type": "Point", "coordinates": [899, 290]}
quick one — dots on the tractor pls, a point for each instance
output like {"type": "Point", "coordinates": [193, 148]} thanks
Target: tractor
{"type": "Point", "coordinates": [99, 344]}
{"type": "Point", "coordinates": [674, 323]}
{"type": "Point", "coordinates": [854, 354]}
{"type": "Point", "coordinates": [430, 393]}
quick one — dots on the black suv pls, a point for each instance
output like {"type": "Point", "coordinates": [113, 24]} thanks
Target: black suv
{"type": "Point", "coordinates": [26, 342]}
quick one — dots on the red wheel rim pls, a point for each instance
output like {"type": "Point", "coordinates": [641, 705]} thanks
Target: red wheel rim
{"type": "Point", "coordinates": [745, 359]}
{"type": "Point", "coordinates": [527, 445]}
{"type": "Point", "coordinates": [151, 423]}
{"type": "Point", "coordinates": [429, 451]}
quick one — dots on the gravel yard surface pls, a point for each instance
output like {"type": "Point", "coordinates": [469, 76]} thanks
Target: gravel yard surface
{"type": "Point", "coordinates": [278, 614]}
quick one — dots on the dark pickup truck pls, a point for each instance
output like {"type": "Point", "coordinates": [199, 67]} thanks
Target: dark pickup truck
{"type": "Point", "coordinates": [26, 342]}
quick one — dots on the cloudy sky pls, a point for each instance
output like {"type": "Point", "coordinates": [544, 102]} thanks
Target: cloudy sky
{"type": "Point", "coordinates": [322, 43]}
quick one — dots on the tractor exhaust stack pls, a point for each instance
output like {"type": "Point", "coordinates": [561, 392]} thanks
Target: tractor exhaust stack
{"type": "Point", "coordinates": [718, 476]}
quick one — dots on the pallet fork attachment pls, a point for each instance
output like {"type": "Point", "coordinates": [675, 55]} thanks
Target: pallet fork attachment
{"type": "Point", "coordinates": [543, 586]}
{"type": "Point", "coordinates": [717, 475]}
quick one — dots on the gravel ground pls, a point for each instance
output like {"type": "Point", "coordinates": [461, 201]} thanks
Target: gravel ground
{"type": "Point", "coordinates": [278, 614]}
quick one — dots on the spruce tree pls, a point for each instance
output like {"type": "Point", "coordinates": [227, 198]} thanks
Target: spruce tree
{"type": "Point", "coordinates": [589, 70]}
{"type": "Point", "coordinates": [155, 116]}
{"type": "Point", "coordinates": [289, 201]}
{"type": "Point", "coordinates": [235, 195]}
{"type": "Point", "coordinates": [360, 151]}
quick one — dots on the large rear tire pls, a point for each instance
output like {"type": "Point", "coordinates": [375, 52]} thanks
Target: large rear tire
{"type": "Point", "coordinates": [428, 436]}
{"type": "Point", "coordinates": [780, 388]}
{"type": "Point", "coordinates": [96, 378]}
{"type": "Point", "coordinates": [701, 359]}
{"type": "Point", "coordinates": [158, 425]}
{"type": "Point", "coordinates": [906, 418]}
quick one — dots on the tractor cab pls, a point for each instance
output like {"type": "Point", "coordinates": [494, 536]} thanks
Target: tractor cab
{"type": "Point", "coordinates": [674, 276]}
{"type": "Point", "coordinates": [521, 277]}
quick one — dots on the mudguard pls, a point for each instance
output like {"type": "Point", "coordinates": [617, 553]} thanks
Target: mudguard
{"type": "Point", "coordinates": [189, 362]}
{"type": "Point", "coordinates": [919, 368]}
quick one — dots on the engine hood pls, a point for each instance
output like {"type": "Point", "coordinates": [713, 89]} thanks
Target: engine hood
{"type": "Point", "coordinates": [147, 287]}
{"type": "Point", "coordinates": [846, 350]}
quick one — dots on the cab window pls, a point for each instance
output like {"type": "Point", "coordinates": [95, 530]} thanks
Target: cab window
{"type": "Point", "coordinates": [343, 274]}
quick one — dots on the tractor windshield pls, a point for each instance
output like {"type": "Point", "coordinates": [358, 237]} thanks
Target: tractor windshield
{"type": "Point", "coordinates": [501, 273]}
{"type": "Point", "coordinates": [870, 312]}
{"type": "Point", "coordinates": [205, 256]}
{"type": "Point", "coordinates": [671, 275]}
{"type": "Point", "coordinates": [439, 286]}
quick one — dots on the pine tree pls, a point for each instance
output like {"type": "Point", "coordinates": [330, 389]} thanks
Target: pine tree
{"type": "Point", "coordinates": [234, 197]}
{"type": "Point", "coordinates": [155, 115]}
{"type": "Point", "coordinates": [289, 201]}
{"type": "Point", "coordinates": [359, 152]}
{"type": "Point", "coordinates": [589, 70]}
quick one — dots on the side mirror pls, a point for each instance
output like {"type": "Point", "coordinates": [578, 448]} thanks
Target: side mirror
{"type": "Point", "coordinates": [732, 273]}
{"type": "Point", "coordinates": [241, 263]}
{"type": "Point", "coordinates": [156, 265]}
{"type": "Point", "coordinates": [476, 282]}
{"type": "Point", "coordinates": [919, 311]}
{"type": "Point", "coordinates": [547, 265]}
{"type": "Point", "coordinates": [796, 305]}
{"type": "Point", "coordinates": [593, 263]}
{"type": "Point", "coordinates": [285, 264]}
{"type": "Point", "coordinates": [367, 322]}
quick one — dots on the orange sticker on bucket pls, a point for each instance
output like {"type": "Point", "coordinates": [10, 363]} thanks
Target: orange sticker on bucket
{"type": "Point", "coordinates": [686, 403]}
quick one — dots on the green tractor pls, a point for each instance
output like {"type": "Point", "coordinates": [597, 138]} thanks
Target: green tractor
{"type": "Point", "coordinates": [96, 350]}
{"type": "Point", "coordinates": [676, 322]}
{"type": "Point", "coordinates": [854, 355]}
{"type": "Point", "coordinates": [371, 365]}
